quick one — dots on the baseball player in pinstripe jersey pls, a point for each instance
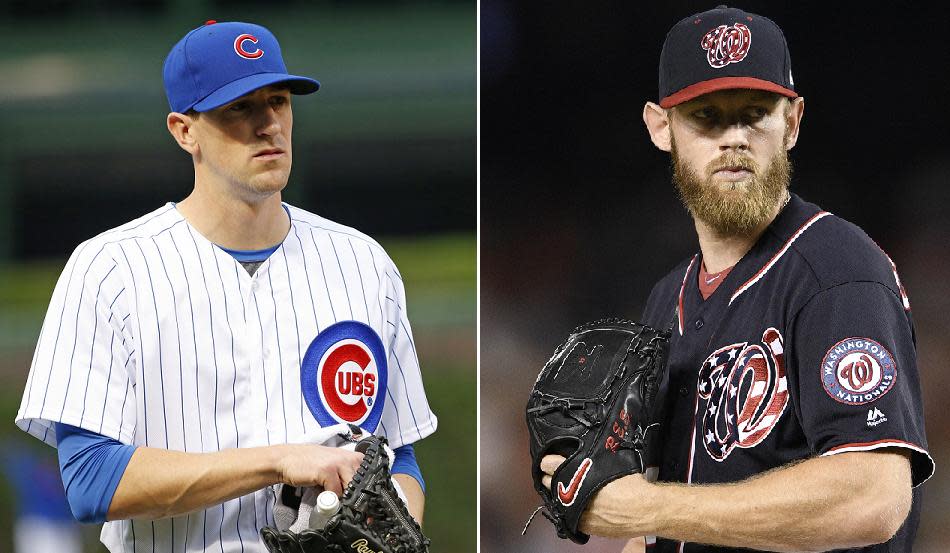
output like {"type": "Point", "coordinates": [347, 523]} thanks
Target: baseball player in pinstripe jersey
{"type": "Point", "coordinates": [190, 358]}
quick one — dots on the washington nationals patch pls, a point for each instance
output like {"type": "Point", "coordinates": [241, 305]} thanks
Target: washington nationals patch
{"type": "Point", "coordinates": [343, 375]}
{"type": "Point", "coordinates": [856, 371]}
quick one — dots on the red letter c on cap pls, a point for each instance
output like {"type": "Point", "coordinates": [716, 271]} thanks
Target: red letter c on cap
{"type": "Point", "coordinates": [239, 47]}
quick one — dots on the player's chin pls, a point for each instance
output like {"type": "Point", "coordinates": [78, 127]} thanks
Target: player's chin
{"type": "Point", "coordinates": [270, 182]}
{"type": "Point", "coordinates": [731, 186]}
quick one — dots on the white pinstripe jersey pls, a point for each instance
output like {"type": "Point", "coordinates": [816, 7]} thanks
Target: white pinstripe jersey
{"type": "Point", "coordinates": [156, 337]}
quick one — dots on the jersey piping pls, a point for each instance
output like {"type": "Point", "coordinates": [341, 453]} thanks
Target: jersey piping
{"type": "Point", "coordinates": [778, 255]}
{"type": "Point", "coordinates": [679, 309]}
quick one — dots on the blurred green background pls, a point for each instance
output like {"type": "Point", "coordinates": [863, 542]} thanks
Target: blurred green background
{"type": "Point", "coordinates": [388, 145]}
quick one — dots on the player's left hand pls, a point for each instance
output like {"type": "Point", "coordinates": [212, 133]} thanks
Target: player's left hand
{"type": "Point", "coordinates": [617, 510]}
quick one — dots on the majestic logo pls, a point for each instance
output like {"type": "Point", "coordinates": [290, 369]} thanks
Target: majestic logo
{"type": "Point", "coordinates": [745, 392]}
{"type": "Point", "coordinates": [568, 494]}
{"type": "Point", "coordinates": [856, 371]}
{"type": "Point", "coordinates": [239, 47]}
{"type": "Point", "coordinates": [725, 45]}
{"type": "Point", "coordinates": [875, 417]}
{"type": "Point", "coordinates": [343, 375]}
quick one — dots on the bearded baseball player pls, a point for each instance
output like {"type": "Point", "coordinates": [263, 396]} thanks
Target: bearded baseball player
{"type": "Point", "coordinates": [794, 419]}
{"type": "Point", "coordinates": [190, 356]}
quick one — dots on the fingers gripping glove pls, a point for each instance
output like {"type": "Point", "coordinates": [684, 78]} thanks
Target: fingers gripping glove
{"type": "Point", "coordinates": [372, 518]}
{"type": "Point", "coordinates": [595, 403]}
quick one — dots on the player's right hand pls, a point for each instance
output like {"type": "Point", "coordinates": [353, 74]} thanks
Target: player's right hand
{"type": "Point", "coordinates": [305, 465]}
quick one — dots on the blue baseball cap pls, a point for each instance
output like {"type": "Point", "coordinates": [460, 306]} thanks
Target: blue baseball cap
{"type": "Point", "coordinates": [220, 62]}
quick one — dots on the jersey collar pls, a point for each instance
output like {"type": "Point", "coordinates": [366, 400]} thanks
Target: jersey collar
{"type": "Point", "coordinates": [793, 221]}
{"type": "Point", "coordinates": [768, 252]}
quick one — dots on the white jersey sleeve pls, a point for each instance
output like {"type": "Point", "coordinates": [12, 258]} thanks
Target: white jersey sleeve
{"type": "Point", "coordinates": [82, 367]}
{"type": "Point", "coordinates": [407, 417]}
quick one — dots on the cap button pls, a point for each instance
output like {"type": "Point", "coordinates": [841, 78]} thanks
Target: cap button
{"type": "Point", "coordinates": [722, 7]}
{"type": "Point", "coordinates": [210, 22]}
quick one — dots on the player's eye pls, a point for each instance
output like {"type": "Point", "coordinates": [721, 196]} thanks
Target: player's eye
{"type": "Point", "coordinates": [707, 115]}
{"type": "Point", "coordinates": [237, 107]}
{"type": "Point", "coordinates": [279, 100]}
{"type": "Point", "coordinates": [754, 114]}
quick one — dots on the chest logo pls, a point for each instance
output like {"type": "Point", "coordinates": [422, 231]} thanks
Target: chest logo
{"type": "Point", "coordinates": [343, 376]}
{"type": "Point", "coordinates": [726, 44]}
{"type": "Point", "coordinates": [856, 371]}
{"type": "Point", "coordinates": [743, 392]}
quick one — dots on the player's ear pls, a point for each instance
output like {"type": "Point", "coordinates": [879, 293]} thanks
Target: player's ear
{"type": "Point", "coordinates": [657, 121]}
{"type": "Point", "coordinates": [181, 127]}
{"type": "Point", "coordinates": [793, 121]}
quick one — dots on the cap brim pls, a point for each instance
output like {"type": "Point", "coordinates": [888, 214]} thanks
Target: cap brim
{"type": "Point", "coordinates": [240, 87]}
{"type": "Point", "coordinates": [723, 83]}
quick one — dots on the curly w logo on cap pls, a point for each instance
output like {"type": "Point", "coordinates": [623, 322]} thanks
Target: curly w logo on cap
{"type": "Point", "coordinates": [727, 44]}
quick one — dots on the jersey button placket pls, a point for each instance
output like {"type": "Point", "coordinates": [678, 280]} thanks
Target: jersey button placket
{"type": "Point", "coordinates": [255, 351]}
{"type": "Point", "coordinates": [698, 324]}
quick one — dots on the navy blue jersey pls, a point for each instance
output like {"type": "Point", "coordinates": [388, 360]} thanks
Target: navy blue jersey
{"type": "Point", "coordinates": [807, 348]}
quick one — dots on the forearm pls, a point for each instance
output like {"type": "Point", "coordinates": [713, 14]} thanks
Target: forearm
{"type": "Point", "coordinates": [842, 501]}
{"type": "Point", "coordinates": [414, 494]}
{"type": "Point", "coordinates": [635, 545]}
{"type": "Point", "coordinates": [159, 483]}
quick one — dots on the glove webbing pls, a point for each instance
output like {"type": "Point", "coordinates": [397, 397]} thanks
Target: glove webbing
{"type": "Point", "coordinates": [380, 497]}
{"type": "Point", "coordinates": [567, 408]}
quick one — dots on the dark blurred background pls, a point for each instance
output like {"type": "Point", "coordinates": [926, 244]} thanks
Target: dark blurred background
{"type": "Point", "coordinates": [579, 218]}
{"type": "Point", "coordinates": [388, 146]}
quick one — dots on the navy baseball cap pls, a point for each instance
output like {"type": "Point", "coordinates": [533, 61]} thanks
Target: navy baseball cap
{"type": "Point", "coordinates": [720, 49]}
{"type": "Point", "coordinates": [219, 62]}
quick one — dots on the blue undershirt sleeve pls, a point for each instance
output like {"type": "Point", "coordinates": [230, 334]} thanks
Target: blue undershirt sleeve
{"type": "Point", "coordinates": [405, 463]}
{"type": "Point", "coordinates": [91, 466]}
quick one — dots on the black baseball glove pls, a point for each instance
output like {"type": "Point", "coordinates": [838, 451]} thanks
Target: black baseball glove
{"type": "Point", "coordinates": [372, 517]}
{"type": "Point", "coordinates": [595, 403]}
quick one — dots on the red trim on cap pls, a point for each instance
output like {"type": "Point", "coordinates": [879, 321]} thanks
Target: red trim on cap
{"type": "Point", "coordinates": [723, 83]}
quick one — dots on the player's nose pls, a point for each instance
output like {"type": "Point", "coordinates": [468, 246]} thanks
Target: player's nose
{"type": "Point", "coordinates": [735, 137]}
{"type": "Point", "coordinates": [269, 123]}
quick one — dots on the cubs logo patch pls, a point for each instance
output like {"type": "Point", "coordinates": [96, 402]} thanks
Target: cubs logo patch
{"type": "Point", "coordinates": [726, 44]}
{"type": "Point", "coordinates": [240, 50]}
{"type": "Point", "coordinates": [856, 371]}
{"type": "Point", "coordinates": [745, 391]}
{"type": "Point", "coordinates": [343, 376]}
